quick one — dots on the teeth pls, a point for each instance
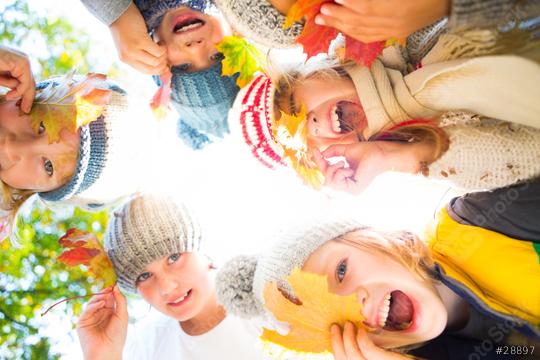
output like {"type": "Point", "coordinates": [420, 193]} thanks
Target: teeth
{"type": "Point", "coordinates": [188, 27]}
{"type": "Point", "coordinates": [180, 299]}
{"type": "Point", "coordinates": [383, 312]}
{"type": "Point", "coordinates": [335, 120]}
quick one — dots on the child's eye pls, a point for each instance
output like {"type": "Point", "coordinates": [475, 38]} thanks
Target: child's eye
{"type": "Point", "coordinates": [41, 129]}
{"type": "Point", "coordinates": [216, 57]}
{"type": "Point", "coordinates": [184, 67]}
{"type": "Point", "coordinates": [48, 167]}
{"type": "Point", "coordinates": [143, 277]}
{"type": "Point", "coordinates": [341, 270]}
{"type": "Point", "coordinates": [173, 258]}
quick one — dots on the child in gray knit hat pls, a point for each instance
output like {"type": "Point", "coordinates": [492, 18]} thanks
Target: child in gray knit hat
{"type": "Point", "coordinates": [410, 292]}
{"type": "Point", "coordinates": [155, 247]}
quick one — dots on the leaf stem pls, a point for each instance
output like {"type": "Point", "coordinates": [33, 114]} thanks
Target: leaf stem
{"type": "Point", "coordinates": [75, 297]}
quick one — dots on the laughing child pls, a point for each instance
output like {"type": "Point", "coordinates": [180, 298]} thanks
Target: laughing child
{"type": "Point", "coordinates": [154, 245]}
{"type": "Point", "coordinates": [477, 279]}
{"type": "Point", "coordinates": [152, 35]}
{"type": "Point", "coordinates": [375, 118]}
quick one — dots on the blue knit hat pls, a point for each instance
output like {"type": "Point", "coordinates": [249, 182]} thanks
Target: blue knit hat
{"type": "Point", "coordinates": [203, 100]}
{"type": "Point", "coordinates": [154, 10]}
{"type": "Point", "coordinates": [104, 155]}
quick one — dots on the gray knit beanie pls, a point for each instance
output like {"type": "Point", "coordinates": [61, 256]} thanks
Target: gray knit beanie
{"type": "Point", "coordinates": [240, 282]}
{"type": "Point", "coordinates": [145, 229]}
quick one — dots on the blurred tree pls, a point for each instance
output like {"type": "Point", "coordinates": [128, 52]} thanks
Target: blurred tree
{"type": "Point", "coordinates": [57, 45]}
{"type": "Point", "coordinates": [30, 277]}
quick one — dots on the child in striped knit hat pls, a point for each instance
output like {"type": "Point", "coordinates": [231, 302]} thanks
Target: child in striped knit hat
{"type": "Point", "coordinates": [155, 246]}
{"type": "Point", "coordinates": [376, 119]}
{"type": "Point", "coordinates": [90, 166]}
{"type": "Point", "coordinates": [473, 286]}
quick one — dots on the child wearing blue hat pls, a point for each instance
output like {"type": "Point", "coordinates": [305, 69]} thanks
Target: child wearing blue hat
{"type": "Point", "coordinates": [90, 166]}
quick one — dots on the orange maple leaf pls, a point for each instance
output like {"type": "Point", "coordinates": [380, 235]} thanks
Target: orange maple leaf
{"type": "Point", "coordinates": [69, 105]}
{"type": "Point", "coordinates": [161, 99]}
{"type": "Point", "coordinates": [83, 248]}
{"type": "Point", "coordinates": [309, 322]}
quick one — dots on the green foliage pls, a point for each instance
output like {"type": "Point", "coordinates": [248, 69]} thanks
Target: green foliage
{"type": "Point", "coordinates": [32, 279]}
{"type": "Point", "coordinates": [65, 45]}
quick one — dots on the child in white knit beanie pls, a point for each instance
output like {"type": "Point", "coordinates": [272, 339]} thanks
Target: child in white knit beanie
{"type": "Point", "coordinates": [376, 118]}
{"type": "Point", "coordinates": [476, 279]}
{"type": "Point", "coordinates": [154, 245]}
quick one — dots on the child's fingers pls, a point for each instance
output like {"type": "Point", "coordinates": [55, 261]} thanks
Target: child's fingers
{"type": "Point", "coordinates": [91, 309]}
{"type": "Point", "coordinates": [321, 162]}
{"type": "Point", "coordinates": [149, 59]}
{"type": "Point", "coordinates": [145, 68]}
{"type": "Point", "coordinates": [9, 82]}
{"type": "Point", "coordinates": [335, 150]}
{"type": "Point", "coordinates": [330, 173]}
{"type": "Point", "coordinates": [349, 342]}
{"type": "Point", "coordinates": [336, 339]}
{"type": "Point", "coordinates": [121, 303]}
{"type": "Point", "coordinates": [154, 49]}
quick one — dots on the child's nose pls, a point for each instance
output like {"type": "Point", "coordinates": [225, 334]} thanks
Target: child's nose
{"type": "Point", "coordinates": [19, 147]}
{"type": "Point", "coordinates": [194, 42]}
{"type": "Point", "coordinates": [166, 285]}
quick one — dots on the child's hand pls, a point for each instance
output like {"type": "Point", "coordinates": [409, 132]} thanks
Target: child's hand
{"type": "Point", "coordinates": [16, 75]}
{"type": "Point", "coordinates": [134, 45]}
{"type": "Point", "coordinates": [366, 160]}
{"type": "Point", "coordinates": [102, 327]}
{"type": "Point", "coordinates": [369, 20]}
{"type": "Point", "coordinates": [355, 344]}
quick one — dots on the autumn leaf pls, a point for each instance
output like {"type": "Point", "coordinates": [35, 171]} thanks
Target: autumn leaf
{"type": "Point", "coordinates": [309, 322]}
{"type": "Point", "coordinates": [83, 248]}
{"type": "Point", "coordinates": [239, 56]}
{"type": "Point", "coordinates": [316, 39]}
{"type": "Point", "coordinates": [69, 105]}
{"type": "Point", "coordinates": [362, 53]}
{"type": "Point", "coordinates": [161, 99]}
{"type": "Point", "coordinates": [291, 133]}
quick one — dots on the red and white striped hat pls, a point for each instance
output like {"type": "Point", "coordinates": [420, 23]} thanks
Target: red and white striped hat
{"type": "Point", "coordinates": [252, 115]}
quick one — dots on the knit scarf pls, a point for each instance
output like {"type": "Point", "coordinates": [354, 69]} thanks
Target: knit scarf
{"type": "Point", "coordinates": [501, 87]}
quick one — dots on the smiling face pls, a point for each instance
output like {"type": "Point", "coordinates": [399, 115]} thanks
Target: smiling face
{"type": "Point", "coordinates": [403, 308]}
{"type": "Point", "coordinates": [27, 160]}
{"type": "Point", "coordinates": [179, 285]}
{"type": "Point", "coordinates": [190, 38]}
{"type": "Point", "coordinates": [334, 113]}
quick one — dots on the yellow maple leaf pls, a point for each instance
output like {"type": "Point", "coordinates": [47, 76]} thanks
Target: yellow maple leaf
{"type": "Point", "coordinates": [68, 104]}
{"type": "Point", "coordinates": [392, 41]}
{"type": "Point", "coordinates": [239, 56]}
{"type": "Point", "coordinates": [309, 322]}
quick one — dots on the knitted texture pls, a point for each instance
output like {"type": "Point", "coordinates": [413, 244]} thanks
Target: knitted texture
{"type": "Point", "coordinates": [293, 248]}
{"type": "Point", "coordinates": [146, 229]}
{"type": "Point", "coordinates": [252, 117]}
{"type": "Point", "coordinates": [488, 154]}
{"type": "Point", "coordinates": [104, 153]}
{"type": "Point", "coordinates": [203, 100]}
{"type": "Point", "coordinates": [260, 21]}
{"type": "Point", "coordinates": [154, 10]}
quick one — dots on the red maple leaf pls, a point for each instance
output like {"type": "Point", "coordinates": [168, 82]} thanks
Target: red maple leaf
{"type": "Point", "coordinates": [78, 256]}
{"type": "Point", "coordinates": [362, 53]}
{"type": "Point", "coordinates": [316, 39]}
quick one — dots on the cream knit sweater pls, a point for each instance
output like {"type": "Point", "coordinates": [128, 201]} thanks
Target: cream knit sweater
{"type": "Point", "coordinates": [486, 153]}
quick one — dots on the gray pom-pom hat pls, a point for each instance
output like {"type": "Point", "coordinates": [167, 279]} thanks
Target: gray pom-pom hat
{"type": "Point", "coordinates": [145, 229]}
{"type": "Point", "coordinates": [241, 281]}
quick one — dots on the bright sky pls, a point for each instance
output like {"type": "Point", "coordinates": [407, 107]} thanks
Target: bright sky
{"type": "Point", "coordinates": [239, 201]}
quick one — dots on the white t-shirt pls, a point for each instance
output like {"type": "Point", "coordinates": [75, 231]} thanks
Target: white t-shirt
{"type": "Point", "coordinates": [160, 337]}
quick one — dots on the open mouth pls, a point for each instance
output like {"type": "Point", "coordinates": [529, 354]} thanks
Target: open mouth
{"type": "Point", "coordinates": [347, 116]}
{"type": "Point", "coordinates": [187, 25]}
{"type": "Point", "coordinates": [181, 299]}
{"type": "Point", "coordinates": [397, 312]}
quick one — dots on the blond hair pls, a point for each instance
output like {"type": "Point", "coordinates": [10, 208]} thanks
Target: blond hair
{"type": "Point", "coordinates": [403, 247]}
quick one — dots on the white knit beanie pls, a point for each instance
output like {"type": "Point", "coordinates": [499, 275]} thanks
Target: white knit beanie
{"type": "Point", "coordinates": [145, 229]}
{"type": "Point", "coordinates": [240, 282]}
